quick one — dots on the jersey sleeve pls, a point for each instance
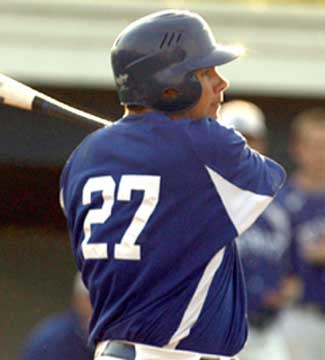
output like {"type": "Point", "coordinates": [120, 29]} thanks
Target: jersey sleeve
{"type": "Point", "coordinates": [245, 180]}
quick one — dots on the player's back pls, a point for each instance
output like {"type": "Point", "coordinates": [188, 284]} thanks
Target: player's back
{"type": "Point", "coordinates": [153, 236]}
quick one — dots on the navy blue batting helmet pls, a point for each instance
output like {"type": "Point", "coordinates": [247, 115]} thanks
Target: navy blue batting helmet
{"type": "Point", "coordinates": [162, 51]}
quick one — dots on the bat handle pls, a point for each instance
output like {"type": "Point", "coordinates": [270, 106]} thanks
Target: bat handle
{"type": "Point", "coordinates": [45, 105]}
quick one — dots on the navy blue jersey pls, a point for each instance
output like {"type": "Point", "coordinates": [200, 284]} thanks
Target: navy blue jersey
{"type": "Point", "coordinates": [263, 249]}
{"type": "Point", "coordinates": [153, 207]}
{"type": "Point", "coordinates": [307, 213]}
{"type": "Point", "coordinates": [58, 337]}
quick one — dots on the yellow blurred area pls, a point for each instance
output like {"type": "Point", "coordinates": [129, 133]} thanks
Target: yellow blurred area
{"type": "Point", "coordinates": [243, 2]}
{"type": "Point", "coordinates": [254, 2]}
{"type": "Point", "coordinates": [173, 3]}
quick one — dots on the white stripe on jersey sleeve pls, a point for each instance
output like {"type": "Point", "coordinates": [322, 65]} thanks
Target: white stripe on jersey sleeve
{"type": "Point", "coordinates": [194, 307]}
{"type": "Point", "coordinates": [242, 206]}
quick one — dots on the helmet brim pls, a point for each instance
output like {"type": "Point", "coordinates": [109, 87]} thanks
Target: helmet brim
{"type": "Point", "coordinates": [219, 55]}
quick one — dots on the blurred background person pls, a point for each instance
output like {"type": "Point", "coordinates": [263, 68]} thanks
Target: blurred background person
{"type": "Point", "coordinates": [304, 196]}
{"type": "Point", "coordinates": [262, 249]}
{"type": "Point", "coordinates": [63, 336]}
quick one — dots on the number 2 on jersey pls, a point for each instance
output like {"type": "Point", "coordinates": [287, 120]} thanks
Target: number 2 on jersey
{"type": "Point", "coordinates": [126, 249]}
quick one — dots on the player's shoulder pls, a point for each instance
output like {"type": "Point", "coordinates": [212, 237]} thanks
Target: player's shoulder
{"type": "Point", "coordinates": [94, 142]}
{"type": "Point", "coordinates": [213, 142]}
{"type": "Point", "coordinates": [212, 126]}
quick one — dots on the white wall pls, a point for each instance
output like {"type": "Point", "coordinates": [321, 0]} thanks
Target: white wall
{"type": "Point", "coordinates": [67, 42]}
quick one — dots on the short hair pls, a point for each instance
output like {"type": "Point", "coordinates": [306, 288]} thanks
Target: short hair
{"type": "Point", "coordinates": [314, 117]}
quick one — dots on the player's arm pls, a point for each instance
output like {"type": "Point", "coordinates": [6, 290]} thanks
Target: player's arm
{"type": "Point", "coordinates": [245, 180]}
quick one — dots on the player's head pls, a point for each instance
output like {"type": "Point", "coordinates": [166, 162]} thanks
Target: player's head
{"type": "Point", "coordinates": [308, 140]}
{"type": "Point", "coordinates": [155, 60]}
{"type": "Point", "coordinates": [80, 299]}
{"type": "Point", "coordinates": [248, 119]}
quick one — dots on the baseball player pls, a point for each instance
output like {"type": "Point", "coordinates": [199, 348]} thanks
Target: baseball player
{"type": "Point", "coordinates": [262, 249]}
{"type": "Point", "coordinates": [62, 336]}
{"type": "Point", "coordinates": [304, 195]}
{"type": "Point", "coordinates": [154, 202]}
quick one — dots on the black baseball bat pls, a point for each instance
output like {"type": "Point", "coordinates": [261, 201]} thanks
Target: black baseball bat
{"type": "Point", "coordinates": [16, 94]}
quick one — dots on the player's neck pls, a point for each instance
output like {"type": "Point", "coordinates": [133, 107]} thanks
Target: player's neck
{"type": "Point", "coordinates": [136, 110]}
{"type": "Point", "coordinates": [310, 182]}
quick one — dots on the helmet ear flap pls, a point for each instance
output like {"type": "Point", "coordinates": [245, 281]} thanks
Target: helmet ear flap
{"type": "Point", "coordinates": [181, 97]}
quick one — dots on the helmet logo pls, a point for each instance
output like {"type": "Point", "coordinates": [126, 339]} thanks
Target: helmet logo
{"type": "Point", "coordinates": [170, 39]}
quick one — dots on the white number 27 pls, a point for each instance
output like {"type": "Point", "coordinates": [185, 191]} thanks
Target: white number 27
{"type": "Point", "coordinates": [126, 249]}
